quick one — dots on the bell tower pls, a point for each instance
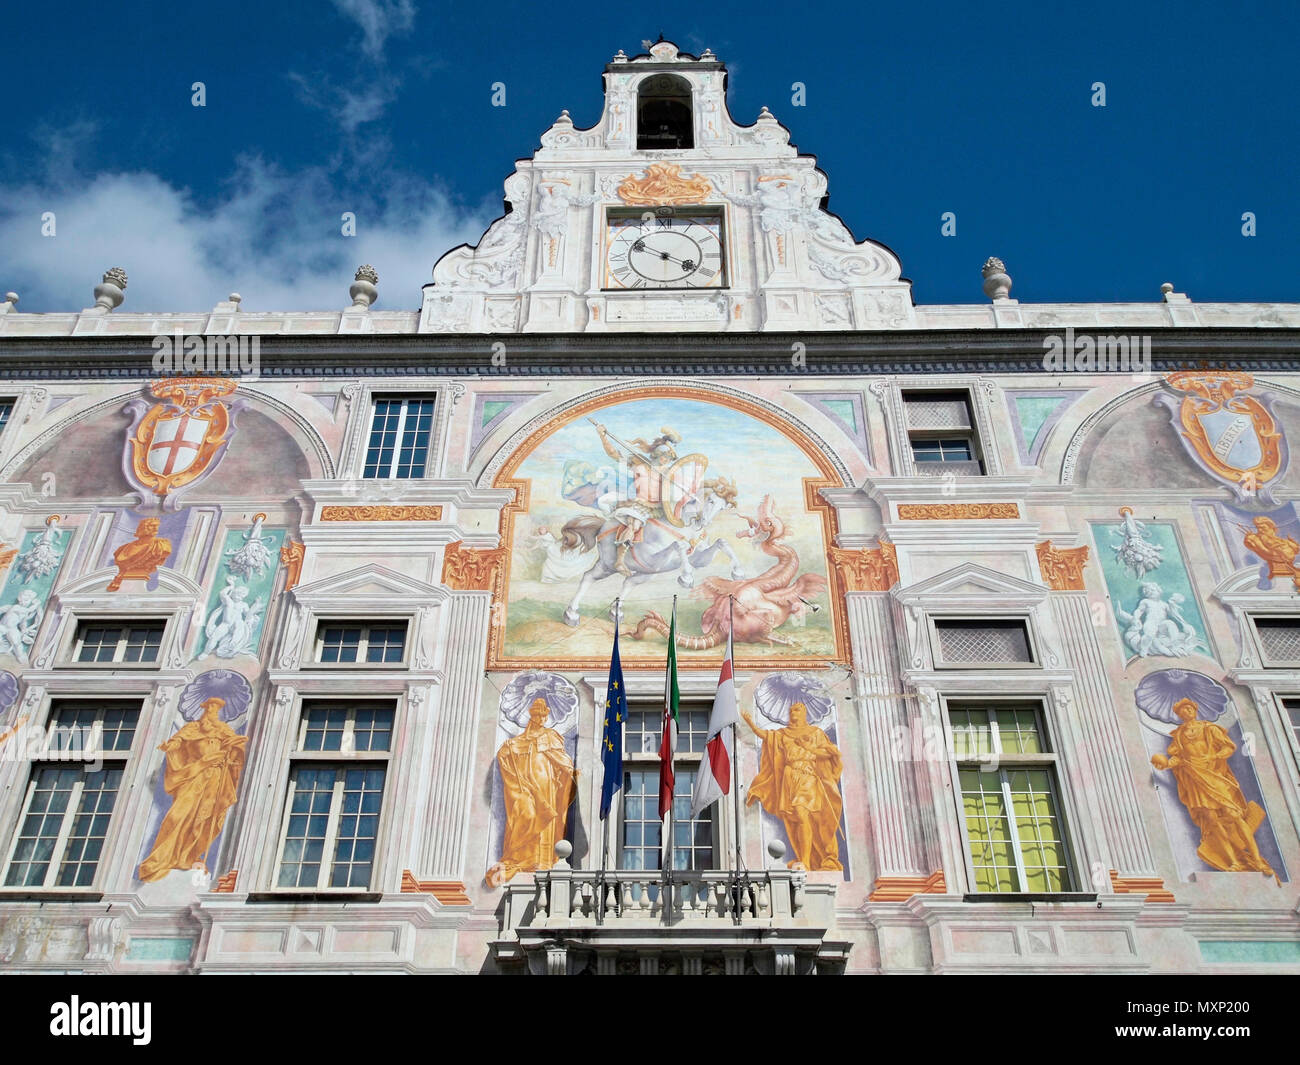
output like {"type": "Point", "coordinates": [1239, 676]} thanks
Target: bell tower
{"type": "Point", "coordinates": [667, 215]}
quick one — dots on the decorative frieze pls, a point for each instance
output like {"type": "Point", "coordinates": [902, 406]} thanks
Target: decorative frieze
{"type": "Point", "coordinates": [381, 512]}
{"type": "Point", "coordinates": [957, 511]}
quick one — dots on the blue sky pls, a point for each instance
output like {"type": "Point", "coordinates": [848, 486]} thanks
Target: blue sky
{"type": "Point", "coordinates": [383, 107]}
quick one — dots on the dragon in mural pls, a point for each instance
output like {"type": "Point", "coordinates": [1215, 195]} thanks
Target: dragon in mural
{"type": "Point", "coordinates": [756, 606]}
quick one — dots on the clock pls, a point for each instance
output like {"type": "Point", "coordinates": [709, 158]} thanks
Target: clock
{"type": "Point", "coordinates": [665, 247]}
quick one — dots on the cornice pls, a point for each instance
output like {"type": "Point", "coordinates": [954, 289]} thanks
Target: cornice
{"type": "Point", "coordinates": [862, 353]}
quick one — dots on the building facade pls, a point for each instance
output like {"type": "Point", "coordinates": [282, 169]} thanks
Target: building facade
{"type": "Point", "coordinates": [306, 617]}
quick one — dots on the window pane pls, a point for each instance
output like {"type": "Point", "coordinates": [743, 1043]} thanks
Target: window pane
{"type": "Point", "coordinates": [358, 826]}
{"type": "Point", "coordinates": [89, 827]}
{"type": "Point", "coordinates": [1038, 829]}
{"type": "Point", "coordinates": [50, 800]}
{"type": "Point", "coordinates": [373, 729]}
{"type": "Point", "coordinates": [313, 789]}
{"type": "Point", "coordinates": [992, 853]}
{"type": "Point", "coordinates": [340, 644]}
{"type": "Point", "coordinates": [386, 456]}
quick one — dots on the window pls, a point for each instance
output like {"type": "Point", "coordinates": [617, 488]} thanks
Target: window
{"type": "Point", "coordinates": [1279, 638]}
{"type": "Point", "coordinates": [399, 437]}
{"type": "Point", "coordinates": [982, 642]}
{"type": "Point", "coordinates": [336, 789]}
{"type": "Point", "coordinates": [1292, 708]}
{"type": "Point", "coordinates": [941, 432]}
{"type": "Point", "coordinates": [1010, 807]}
{"type": "Point", "coordinates": [121, 642]}
{"type": "Point", "coordinates": [361, 642]}
{"type": "Point", "coordinates": [640, 830]}
{"type": "Point", "coordinates": [663, 114]}
{"type": "Point", "coordinates": [68, 806]}
{"type": "Point", "coordinates": [6, 409]}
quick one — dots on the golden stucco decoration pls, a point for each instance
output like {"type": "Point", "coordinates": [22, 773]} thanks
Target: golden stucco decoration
{"type": "Point", "coordinates": [869, 569]}
{"type": "Point", "coordinates": [467, 569]}
{"type": "Point", "coordinates": [663, 184]}
{"type": "Point", "coordinates": [957, 511]}
{"type": "Point", "coordinates": [381, 512]}
{"type": "Point", "coordinates": [1062, 567]}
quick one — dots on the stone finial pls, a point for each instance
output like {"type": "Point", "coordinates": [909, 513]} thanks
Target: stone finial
{"type": "Point", "coordinates": [11, 298]}
{"type": "Point", "coordinates": [707, 55]}
{"type": "Point", "coordinates": [765, 115]}
{"type": "Point", "coordinates": [777, 850]}
{"type": "Point", "coordinates": [620, 56]}
{"type": "Point", "coordinates": [563, 848]}
{"type": "Point", "coordinates": [235, 297]}
{"type": "Point", "coordinates": [1167, 288]}
{"type": "Point", "coordinates": [363, 290]}
{"type": "Point", "coordinates": [110, 293]}
{"type": "Point", "coordinates": [997, 282]}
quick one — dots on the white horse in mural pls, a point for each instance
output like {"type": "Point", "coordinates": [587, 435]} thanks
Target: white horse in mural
{"type": "Point", "coordinates": [661, 549]}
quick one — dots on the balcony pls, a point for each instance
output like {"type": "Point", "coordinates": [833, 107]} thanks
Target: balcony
{"type": "Point", "coordinates": [622, 921]}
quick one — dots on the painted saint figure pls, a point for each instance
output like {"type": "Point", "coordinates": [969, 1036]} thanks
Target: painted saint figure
{"type": "Point", "coordinates": [798, 781]}
{"type": "Point", "coordinates": [648, 460]}
{"type": "Point", "coordinates": [204, 760]}
{"type": "Point", "coordinates": [539, 782]}
{"type": "Point", "coordinates": [1198, 758]}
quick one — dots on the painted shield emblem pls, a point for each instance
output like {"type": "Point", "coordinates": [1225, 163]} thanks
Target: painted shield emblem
{"type": "Point", "coordinates": [1230, 434]}
{"type": "Point", "coordinates": [177, 442]}
{"type": "Point", "coordinates": [679, 483]}
{"type": "Point", "coordinates": [181, 437]}
{"type": "Point", "coordinates": [1232, 438]}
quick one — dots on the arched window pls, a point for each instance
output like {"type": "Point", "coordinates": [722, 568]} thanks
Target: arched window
{"type": "Point", "coordinates": [663, 113]}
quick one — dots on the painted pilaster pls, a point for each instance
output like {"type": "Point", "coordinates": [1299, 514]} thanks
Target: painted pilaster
{"type": "Point", "coordinates": [451, 765]}
{"type": "Point", "coordinates": [898, 847]}
{"type": "Point", "coordinates": [1102, 745]}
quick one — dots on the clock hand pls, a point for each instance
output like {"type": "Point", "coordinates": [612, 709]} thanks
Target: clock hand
{"type": "Point", "coordinates": [640, 245]}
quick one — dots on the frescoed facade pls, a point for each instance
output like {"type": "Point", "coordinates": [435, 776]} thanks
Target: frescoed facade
{"type": "Point", "coordinates": [307, 670]}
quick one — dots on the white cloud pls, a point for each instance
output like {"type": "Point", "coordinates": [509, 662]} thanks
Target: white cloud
{"type": "Point", "coordinates": [379, 20]}
{"type": "Point", "coordinates": [272, 236]}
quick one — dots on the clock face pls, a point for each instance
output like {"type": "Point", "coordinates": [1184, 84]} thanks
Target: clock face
{"type": "Point", "coordinates": [681, 249]}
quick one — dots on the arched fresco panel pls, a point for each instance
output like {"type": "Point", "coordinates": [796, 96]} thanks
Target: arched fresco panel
{"type": "Point", "coordinates": [659, 493]}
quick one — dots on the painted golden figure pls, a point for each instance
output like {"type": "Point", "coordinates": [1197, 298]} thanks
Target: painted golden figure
{"type": "Point", "coordinates": [204, 760]}
{"type": "Point", "coordinates": [139, 559]}
{"type": "Point", "coordinates": [539, 782]}
{"type": "Point", "coordinates": [798, 781]}
{"type": "Point", "coordinates": [1198, 758]}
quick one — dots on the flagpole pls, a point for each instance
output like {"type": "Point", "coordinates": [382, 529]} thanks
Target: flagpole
{"type": "Point", "coordinates": [735, 734]}
{"type": "Point", "coordinates": [667, 857]}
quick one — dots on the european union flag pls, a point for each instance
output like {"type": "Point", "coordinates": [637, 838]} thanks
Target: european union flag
{"type": "Point", "coordinates": [611, 742]}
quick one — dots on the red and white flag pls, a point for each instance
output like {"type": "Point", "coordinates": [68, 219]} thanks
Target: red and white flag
{"type": "Point", "coordinates": [714, 778]}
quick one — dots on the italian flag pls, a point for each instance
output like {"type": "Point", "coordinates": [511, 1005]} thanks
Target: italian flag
{"type": "Point", "coordinates": [714, 779]}
{"type": "Point", "coordinates": [672, 699]}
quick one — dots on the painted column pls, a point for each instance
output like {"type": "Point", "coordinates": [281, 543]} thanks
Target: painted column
{"type": "Point", "coordinates": [455, 724]}
{"type": "Point", "coordinates": [893, 806]}
{"type": "Point", "coordinates": [1101, 743]}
